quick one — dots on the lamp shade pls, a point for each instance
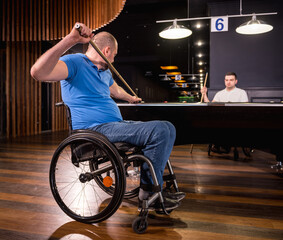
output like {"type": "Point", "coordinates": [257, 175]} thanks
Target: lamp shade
{"type": "Point", "coordinates": [254, 26]}
{"type": "Point", "coordinates": [175, 31]}
{"type": "Point", "coordinates": [166, 78]}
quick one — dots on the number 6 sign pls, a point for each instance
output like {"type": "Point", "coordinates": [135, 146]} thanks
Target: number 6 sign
{"type": "Point", "coordinates": [219, 24]}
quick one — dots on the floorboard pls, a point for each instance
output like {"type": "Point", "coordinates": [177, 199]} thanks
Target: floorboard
{"type": "Point", "coordinates": [225, 199]}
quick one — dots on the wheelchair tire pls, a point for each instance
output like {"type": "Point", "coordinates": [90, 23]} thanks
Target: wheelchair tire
{"type": "Point", "coordinates": [73, 183]}
{"type": "Point", "coordinates": [140, 225]}
{"type": "Point", "coordinates": [131, 193]}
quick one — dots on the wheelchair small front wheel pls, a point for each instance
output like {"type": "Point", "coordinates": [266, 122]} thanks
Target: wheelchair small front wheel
{"type": "Point", "coordinates": [73, 179]}
{"type": "Point", "coordinates": [140, 225]}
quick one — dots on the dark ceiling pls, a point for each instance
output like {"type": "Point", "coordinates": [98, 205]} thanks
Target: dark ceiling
{"type": "Point", "coordinates": [139, 43]}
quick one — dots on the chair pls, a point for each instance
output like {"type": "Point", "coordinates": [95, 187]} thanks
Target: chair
{"type": "Point", "coordinates": [90, 176]}
{"type": "Point", "coordinates": [227, 149]}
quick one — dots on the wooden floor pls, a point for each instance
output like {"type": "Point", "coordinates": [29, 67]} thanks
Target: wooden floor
{"type": "Point", "coordinates": [225, 199]}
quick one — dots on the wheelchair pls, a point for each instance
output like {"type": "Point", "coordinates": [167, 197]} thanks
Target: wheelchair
{"type": "Point", "coordinates": [90, 176]}
{"type": "Point", "coordinates": [227, 149]}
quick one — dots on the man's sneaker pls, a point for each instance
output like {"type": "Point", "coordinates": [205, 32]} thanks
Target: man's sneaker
{"type": "Point", "coordinates": [156, 206]}
{"type": "Point", "coordinates": [176, 196]}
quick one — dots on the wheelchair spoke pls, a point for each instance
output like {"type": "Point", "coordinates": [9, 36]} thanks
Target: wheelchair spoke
{"type": "Point", "coordinates": [96, 195]}
{"type": "Point", "coordinates": [68, 186]}
{"type": "Point", "coordinates": [80, 195]}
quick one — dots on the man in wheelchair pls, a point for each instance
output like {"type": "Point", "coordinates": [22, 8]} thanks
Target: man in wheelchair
{"type": "Point", "coordinates": [87, 87]}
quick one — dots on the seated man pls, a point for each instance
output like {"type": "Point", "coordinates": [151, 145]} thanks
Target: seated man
{"type": "Point", "coordinates": [87, 86]}
{"type": "Point", "coordinates": [230, 94]}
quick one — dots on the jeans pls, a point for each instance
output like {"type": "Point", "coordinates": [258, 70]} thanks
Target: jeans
{"type": "Point", "coordinates": [155, 137]}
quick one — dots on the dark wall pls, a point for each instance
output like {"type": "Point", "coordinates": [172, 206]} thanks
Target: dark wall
{"type": "Point", "coordinates": [257, 59]}
{"type": "Point", "coordinates": [141, 51]}
{"type": "Point", "coordinates": [144, 84]}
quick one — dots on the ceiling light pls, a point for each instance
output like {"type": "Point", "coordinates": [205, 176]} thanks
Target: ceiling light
{"type": "Point", "coordinates": [173, 73]}
{"type": "Point", "coordinates": [166, 78]}
{"type": "Point", "coordinates": [254, 26]}
{"type": "Point", "coordinates": [175, 85]}
{"type": "Point", "coordinates": [198, 25]}
{"type": "Point", "coordinates": [193, 78]}
{"type": "Point", "coordinates": [179, 81]}
{"type": "Point", "coordinates": [168, 67]}
{"type": "Point", "coordinates": [251, 27]}
{"type": "Point", "coordinates": [199, 43]}
{"type": "Point", "coordinates": [175, 31]}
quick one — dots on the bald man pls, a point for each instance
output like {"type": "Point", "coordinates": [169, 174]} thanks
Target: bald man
{"type": "Point", "coordinates": [87, 87]}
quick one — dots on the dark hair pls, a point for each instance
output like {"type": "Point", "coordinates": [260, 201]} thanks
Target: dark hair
{"type": "Point", "coordinates": [231, 74]}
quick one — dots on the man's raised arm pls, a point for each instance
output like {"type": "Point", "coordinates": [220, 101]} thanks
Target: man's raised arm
{"type": "Point", "coordinates": [48, 67]}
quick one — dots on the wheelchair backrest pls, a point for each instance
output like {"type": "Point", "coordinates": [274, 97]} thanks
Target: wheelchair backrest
{"type": "Point", "coordinates": [68, 115]}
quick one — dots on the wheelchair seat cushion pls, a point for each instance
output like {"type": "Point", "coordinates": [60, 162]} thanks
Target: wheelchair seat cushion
{"type": "Point", "coordinates": [127, 147]}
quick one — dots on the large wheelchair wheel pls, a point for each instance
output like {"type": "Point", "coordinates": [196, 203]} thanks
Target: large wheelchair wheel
{"type": "Point", "coordinates": [83, 167]}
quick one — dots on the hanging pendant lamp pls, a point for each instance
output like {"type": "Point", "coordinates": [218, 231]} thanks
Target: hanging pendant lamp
{"type": "Point", "coordinates": [175, 31]}
{"type": "Point", "coordinates": [254, 26]}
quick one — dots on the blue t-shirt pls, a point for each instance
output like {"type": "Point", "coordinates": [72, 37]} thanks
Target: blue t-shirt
{"type": "Point", "coordinates": [86, 92]}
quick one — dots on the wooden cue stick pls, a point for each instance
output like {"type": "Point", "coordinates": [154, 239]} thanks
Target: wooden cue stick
{"type": "Point", "coordinates": [204, 86]}
{"type": "Point", "coordinates": [192, 145]}
{"type": "Point", "coordinates": [78, 27]}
